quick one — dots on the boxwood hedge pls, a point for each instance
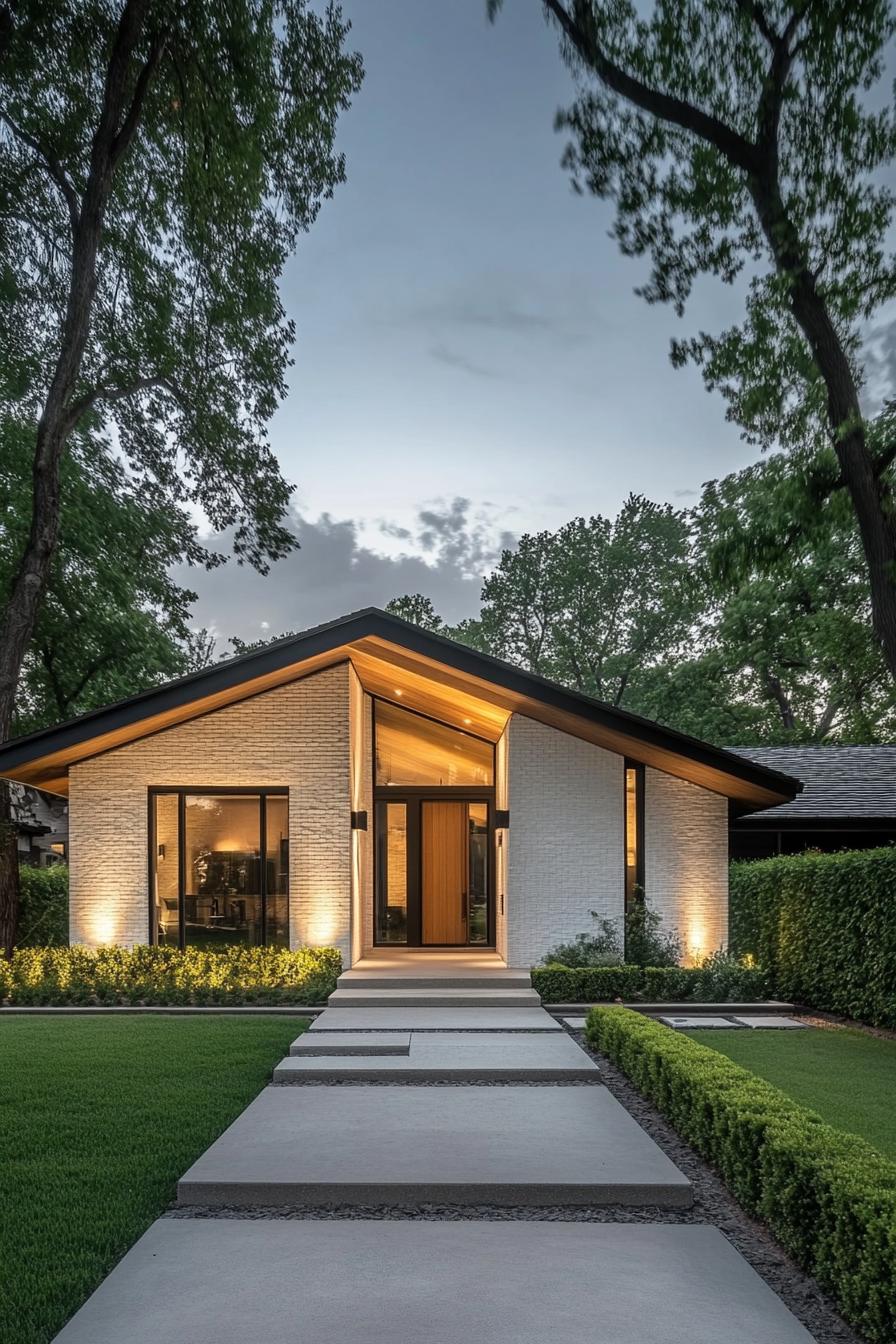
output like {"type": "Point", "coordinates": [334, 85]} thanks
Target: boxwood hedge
{"type": "Point", "coordinates": [829, 1197]}
{"type": "Point", "coordinates": [719, 981]}
{"type": "Point", "coordinates": [43, 912]}
{"type": "Point", "coordinates": [824, 926]}
{"type": "Point", "coordinates": [61, 976]}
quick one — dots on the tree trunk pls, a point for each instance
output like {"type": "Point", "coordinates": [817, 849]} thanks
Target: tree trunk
{"type": "Point", "coordinates": [9, 873]}
{"type": "Point", "coordinates": [877, 525]}
{"type": "Point", "coordinates": [119, 116]}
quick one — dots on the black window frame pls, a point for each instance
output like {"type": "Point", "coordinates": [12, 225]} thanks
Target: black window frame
{"type": "Point", "coordinates": [182, 792]}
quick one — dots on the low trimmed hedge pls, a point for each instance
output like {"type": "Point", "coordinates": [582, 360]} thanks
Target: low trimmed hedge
{"type": "Point", "coordinates": [650, 984]}
{"type": "Point", "coordinates": [825, 926]}
{"type": "Point", "coordinates": [43, 911]}
{"type": "Point", "coordinates": [829, 1197]}
{"type": "Point", "coordinates": [61, 976]}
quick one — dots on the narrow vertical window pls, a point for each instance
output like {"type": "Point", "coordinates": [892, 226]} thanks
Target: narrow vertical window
{"type": "Point", "coordinates": [634, 834]}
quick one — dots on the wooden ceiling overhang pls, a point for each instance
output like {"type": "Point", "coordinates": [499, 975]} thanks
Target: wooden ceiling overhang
{"type": "Point", "coordinates": [411, 667]}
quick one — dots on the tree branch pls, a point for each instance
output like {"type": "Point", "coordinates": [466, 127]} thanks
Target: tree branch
{"type": "Point", "coordinates": [110, 393]}
{"type": "Point", "coordinates": [51, 164]}
{"type": "Point", "coordinates": [132, 117]}
{"type": "Point", "coordinates": [580, 29]}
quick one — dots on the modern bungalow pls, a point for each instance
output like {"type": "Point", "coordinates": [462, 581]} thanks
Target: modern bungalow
{"type": "Point", "coordinates": [369, 783]}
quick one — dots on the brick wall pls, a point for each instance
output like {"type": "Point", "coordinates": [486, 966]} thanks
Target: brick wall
{"type": "Point", "coordinates": [565, 856]}
{"type": "Point", "coordinates": [686, 860]}
{"type": "Point", "coordinates": [296, 736]}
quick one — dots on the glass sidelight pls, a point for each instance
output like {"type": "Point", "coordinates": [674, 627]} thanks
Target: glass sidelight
{"type": "Point", "coordinates": [477, 866]}
{"type": "Point", "coordinates": [391, 872]}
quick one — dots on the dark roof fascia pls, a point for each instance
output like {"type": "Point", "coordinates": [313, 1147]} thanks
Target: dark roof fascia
{"type": "Point", "coordinates": [371, 622]}
{"type": "Point", "coordinates": [763, 821]}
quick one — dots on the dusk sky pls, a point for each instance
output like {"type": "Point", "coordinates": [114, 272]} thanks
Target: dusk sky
{"type": "Point", "coordinates": [466, 331]}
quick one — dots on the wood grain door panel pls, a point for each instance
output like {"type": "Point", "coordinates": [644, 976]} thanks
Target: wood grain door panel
{"type": "Point", "coordinates": [444, 864]}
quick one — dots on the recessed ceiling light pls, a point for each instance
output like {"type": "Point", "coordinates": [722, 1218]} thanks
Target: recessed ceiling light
{"type": "Point", "coordinates": [398, 692]}
{"type": "Point", "coordinates": [468, 720]}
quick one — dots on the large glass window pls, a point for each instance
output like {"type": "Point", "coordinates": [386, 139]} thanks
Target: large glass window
{"type": "Point", "coordinates": [221, 868]}
{"type": "Point", "coordinates": [416, 752]}
{"type": "Point", "coordinates": [477, 855]}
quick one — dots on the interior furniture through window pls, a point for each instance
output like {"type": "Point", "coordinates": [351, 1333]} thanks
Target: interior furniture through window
{"type": "Point", "coordinates": [219, 867]}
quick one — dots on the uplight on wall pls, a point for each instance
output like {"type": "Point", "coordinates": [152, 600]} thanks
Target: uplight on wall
{"type": "Point", "coordinates": [103, 928]}
{"type": "Point", "coordinates": [695, 946]}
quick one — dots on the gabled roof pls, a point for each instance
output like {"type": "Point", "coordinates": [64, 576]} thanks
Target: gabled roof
{"type": "Point", "coordinates": [839, 782]}
{"type": "Point", "coordinates": [401, 662]}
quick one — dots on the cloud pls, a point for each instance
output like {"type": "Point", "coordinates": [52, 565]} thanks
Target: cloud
{"type": "Point", "coordinates": [443, 354]}
{"type": "Point", "coordinates": [445, 557]}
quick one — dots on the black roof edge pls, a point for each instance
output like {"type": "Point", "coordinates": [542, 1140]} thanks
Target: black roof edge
{"type": "Point", "coordinates": [357, 625]}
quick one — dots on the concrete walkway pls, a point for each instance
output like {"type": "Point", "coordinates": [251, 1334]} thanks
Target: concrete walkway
{"type": "Point", "coordinates": [393, 1115]}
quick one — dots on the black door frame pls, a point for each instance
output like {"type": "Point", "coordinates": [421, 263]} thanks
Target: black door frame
{"type": "Point", "coordinates": [413, 800]}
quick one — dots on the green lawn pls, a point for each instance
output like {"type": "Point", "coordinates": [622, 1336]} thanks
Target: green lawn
{"type": "Point", "coordinates": [98, 1118]}
{"type": "Point", "coordinates": [847, 1076]}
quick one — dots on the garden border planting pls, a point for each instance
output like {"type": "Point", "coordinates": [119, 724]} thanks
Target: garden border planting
{"type": "Point", "coordinates": [828, 1197]}
{"type": "Point", "coordinates": [650, 984]}
{"type": "Point", "coordinates": [165, 976]}
{"type": "Point", "coordinates": [822, 925]}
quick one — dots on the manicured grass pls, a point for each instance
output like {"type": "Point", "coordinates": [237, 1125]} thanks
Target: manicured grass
{"type": "Point", "coordinates": [847, 1076]}
{"type": "Point", "coordinates": [98, 1119]}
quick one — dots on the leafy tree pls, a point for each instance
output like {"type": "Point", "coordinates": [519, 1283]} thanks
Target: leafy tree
{"type": "Point", "coordinates": [736, 139]}
{"type": "Point", "coordinates": [113, 621]}
{"type": "Point", "coordinates": [594, 603]}
{"type": "Point", "coordinates": [791, 628]}
{"type": "Point", "coordinates": [158, 163]}
{"type": "Point", "coordinates": [419, 611]}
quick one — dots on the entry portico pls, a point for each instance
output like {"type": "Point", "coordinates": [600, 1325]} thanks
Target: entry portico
{"type": "Point", "coordinates": [370, 785]}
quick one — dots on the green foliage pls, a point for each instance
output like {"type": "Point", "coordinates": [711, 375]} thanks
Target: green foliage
{"type": "Point", "coordinates": [113, 621]}
{"type": "Point", "coordinates": [98, 1119]}
{"type": "Point", "coordinates": [594, 602]}
{"type": "Point", "coordinates": [718, 980]}
{"type": "Point", "coordinates": [645, 942]}
{"type": "Point", "coordinates": [165, 975]}
{"type": "Point", "coordinates": [824, 926]}
{"type": "Point", "coordinates": [419, 611]}
{"type": "Point", "coordinates": [828, 1197]}
{"type": "Point", "coordinates": [222, 148]}
{"type": "Point", "coordinates": [43, 911]}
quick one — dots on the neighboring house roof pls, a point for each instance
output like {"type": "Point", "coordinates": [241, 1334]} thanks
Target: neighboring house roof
{"type": "Point", "coordinates": [839, 783]}
{"type": "Point", "coordinates": [401, 662]}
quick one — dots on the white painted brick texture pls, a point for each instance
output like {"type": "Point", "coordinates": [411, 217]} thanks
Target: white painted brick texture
{"type": "Point", "coordinates": [296, 736]}
{"type": "Point", "coordinates": [686, 861]}
{"type": "Point", "coordinates": [565, 855]}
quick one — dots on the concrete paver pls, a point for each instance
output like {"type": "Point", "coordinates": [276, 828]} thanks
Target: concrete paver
{"type": "Point", "coordinates": [698, 1023]}
{"type": "Point", "coordinates": [771, 1020]}
{"type": "Point", "coordinates": [351, 1043]}
{"type": "Point", "coordinates": [435, 1056]}
{"type": "Point", "coordinates": [411, 1145]}
{"type": "Point", "coordinates": [225, 1281]}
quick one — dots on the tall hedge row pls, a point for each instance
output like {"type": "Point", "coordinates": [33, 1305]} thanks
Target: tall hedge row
{"type": "Point", "coordinates": [43, 913]}
{"type": "Point", "coordinates": [824, 927]}
{"type": "Point", "coordinates": [829, 1197]}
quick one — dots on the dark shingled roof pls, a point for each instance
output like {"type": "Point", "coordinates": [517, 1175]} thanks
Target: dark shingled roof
{"type": "Point", "coordinates": [839, 782]}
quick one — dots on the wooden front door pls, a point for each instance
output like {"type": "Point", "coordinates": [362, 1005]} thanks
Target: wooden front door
{"type": "Point", "coordinates": [445, 872]}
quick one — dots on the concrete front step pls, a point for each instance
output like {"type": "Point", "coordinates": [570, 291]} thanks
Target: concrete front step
{"type": "Point", "coordinates": [451, 979]}
{"type": "Point", "coordinates": [399, 1146]}
{"type": "Point", "coordinates": [434, 998]}
{"type": "Point", "coordinates": [225, 1281]}
{"type": "Point", "coordinates": [434, 1019]}
{"type": "Point", "coordinates": [448, 1057]}
{"type": "Point", "coordinates": [348, 1043]}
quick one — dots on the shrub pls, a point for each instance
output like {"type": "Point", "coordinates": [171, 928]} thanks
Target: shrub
{"type": "Point", "coordinates": [829, 1197]}
{"type": "Point", "coordinates": [825, 927]}
{"type": "Point", "coordinates": [643, 943]}
{"type": "Point", "coordinates": [718, 980]}
{"type": "Point", "coordinates": [43, 914]}
{"type": "Point", "coordinates": [167, 976]}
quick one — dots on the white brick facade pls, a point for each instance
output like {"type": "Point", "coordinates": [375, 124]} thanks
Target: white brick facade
{"type": "Point", "coordinates": [686, 861]}
{"type": "Point", "coordinates": [561, 859]}
{"type": "Point", "coordinates": [565, 855]}
{"type": "Point", "coordinates": [295, 737]}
